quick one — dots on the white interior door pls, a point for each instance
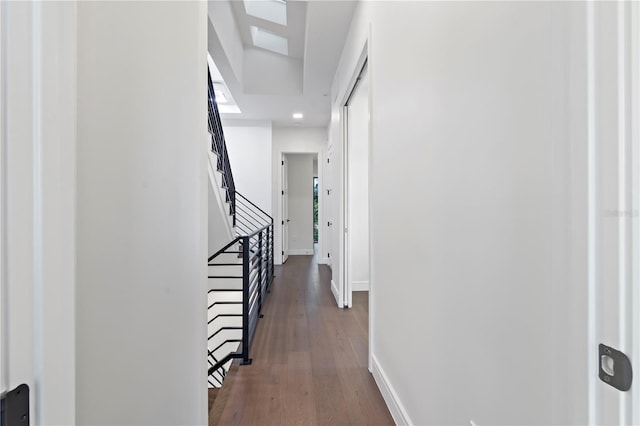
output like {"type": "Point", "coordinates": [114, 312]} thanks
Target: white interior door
{"type": "Point", "coordinates": [613, 211]}
{"type": "Point", "coordinates": [285, 209]}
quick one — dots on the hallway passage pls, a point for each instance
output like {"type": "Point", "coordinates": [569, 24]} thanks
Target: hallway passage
{"type": "Point", "coordinates": [309, 359]}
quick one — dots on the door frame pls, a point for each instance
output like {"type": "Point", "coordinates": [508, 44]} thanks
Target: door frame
{"type": "Point", "coordinates": [38, 212]}
{"type": "Point", "coordinates": [627, 20]}
{"type": "Point", "coordinates": [277, 231]}
{"type": "Point", "coordinates": [634, 10]}
{"type": "Point", "coordinates": [345, 291]}
{"type": "Point", "coordinates": [284, 253]}
{"type": "Point", "coordinates": [347, 288]}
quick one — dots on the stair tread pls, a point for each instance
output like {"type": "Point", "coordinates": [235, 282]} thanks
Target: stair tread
{"type": "Point", "coordinates": [221, 396]}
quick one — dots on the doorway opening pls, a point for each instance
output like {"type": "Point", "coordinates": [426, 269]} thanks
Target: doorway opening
{"type": "Point", "coordinates": [356, 288]}
{"type": "Point", "coordinates": [356, 188]}
{"type": "Point", "coordinates": [300, 204]}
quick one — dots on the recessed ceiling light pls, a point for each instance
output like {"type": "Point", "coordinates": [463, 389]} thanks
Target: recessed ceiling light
{"type": "Point", "coordinates": [297, 116]}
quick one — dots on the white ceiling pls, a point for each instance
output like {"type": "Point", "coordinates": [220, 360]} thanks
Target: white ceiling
{"type": "Point", "coordinates": [270, 86]}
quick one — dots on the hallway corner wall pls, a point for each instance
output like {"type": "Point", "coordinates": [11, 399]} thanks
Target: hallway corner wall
{"type": "Point", "coordinates": [141, 213]}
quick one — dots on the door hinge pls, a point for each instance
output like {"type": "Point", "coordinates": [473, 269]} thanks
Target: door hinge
{"type": "Point", "coordinates": [283, 222]}
{"type": "Point", "coordinates": [283, 192]}
{"type": "Point", "coordinates": [328, 254]}
{"type": "Point", "coordinates": [283, 253]}
{"type": "Point", "coordinates": [283, 162]}
{"type": "Point", "coordinates": [327, 160]}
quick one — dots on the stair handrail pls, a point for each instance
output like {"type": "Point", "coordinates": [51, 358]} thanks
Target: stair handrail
{"type": "Point", "coordinates": [255, 206]}
{"type": "Point", "coordinates": [219, 147]}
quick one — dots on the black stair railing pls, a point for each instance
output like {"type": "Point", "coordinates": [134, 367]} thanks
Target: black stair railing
{"type": "Point", "coordinates": [255, 273]}
{"type": "Point", "coordinates": [216, 377]}
{"type": "Point", "coordinates": [219, 147]}
{"type": "Point", "coordinates": [241, 272]}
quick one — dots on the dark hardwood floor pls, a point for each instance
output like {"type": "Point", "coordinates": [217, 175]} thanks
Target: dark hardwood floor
{"type": "Point", "coordinates": [309, 359]}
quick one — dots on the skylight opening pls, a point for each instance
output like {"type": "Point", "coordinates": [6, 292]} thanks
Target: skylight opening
{"type": "Point", "coordinates": [269, 41]}
{"type": "Point", "coordinates": [270, 10]}
{"type": "Point", "coordinates": [224, 100]}
{"type": "Point", "coordinates": [229, 109]}
{"type": "Point", "coordinates": [222, 93]}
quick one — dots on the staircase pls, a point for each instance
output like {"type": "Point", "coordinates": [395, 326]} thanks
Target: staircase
{"type": "Point", "coordinates": [241, 271]}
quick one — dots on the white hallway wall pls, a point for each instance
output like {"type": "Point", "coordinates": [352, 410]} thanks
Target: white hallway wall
{"type": "Point", "coordinates": [470, 124]}
{"type": "Point", "coordinates": [249, 146]}
{"type": "Point", "coordinates": [141, 213]}
{"type": "Point", "coordinates": [300, 178]}
{"type": "Point", "coordinates": [294, 140]}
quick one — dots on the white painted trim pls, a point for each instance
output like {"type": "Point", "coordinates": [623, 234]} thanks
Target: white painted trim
{"type": "Point", "coordinates": [371, 196]}
{"type": "Point", "coordinates": [623, 252]}
{"type": "Point", "coordinates": [281, 219]}
{"type": "Point", "coordinates": [360, 286]}
{"type": "Point", "coordinates": [344, 240]}
{"type": "Point", "coordinates": [300, 252]}
{"type": "Point", "coordinates": [323, 260]}
{"type": "Point", "coordinates": [4, 331]}
{"type": "Point", "coordinates": [38, 207]}
{"type": "Point", "coordinates": [396, 408]}
{"type": "Point", "coordinates": [336, 294]}
{"type": "Point", "coordinates": [635, 173]}
{"type": "Point", "coordinates": [591, 218]}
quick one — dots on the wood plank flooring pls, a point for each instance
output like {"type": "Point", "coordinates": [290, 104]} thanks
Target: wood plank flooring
{"type": "Point", "coordinates": [309, 359]}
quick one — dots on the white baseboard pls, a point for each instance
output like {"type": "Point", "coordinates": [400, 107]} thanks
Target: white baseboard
{"type": "Point", "coordinates": [323, 261]}
{"type": "Point", "coordinates": [360, 286]}
{"type": "Point", "coordinates": [300, 252]}
{"type": "Point", "coordinates": [398, 412]}
{"type": "Point", "coordinates": [334, 290]}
